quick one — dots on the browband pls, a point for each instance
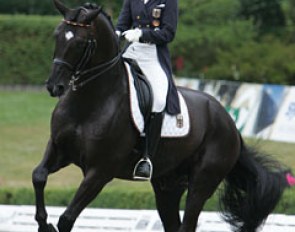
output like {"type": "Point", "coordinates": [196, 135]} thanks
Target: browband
{"type": "Point", "coordinates": [76, 24]}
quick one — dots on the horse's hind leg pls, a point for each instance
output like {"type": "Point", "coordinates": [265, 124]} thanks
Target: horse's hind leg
{"type": "Point", "coordinates": [168, 197]}
{"type": "Point", "coordinates": [50, 163]}
{"type": "Point", "coordinates": [205, 176]}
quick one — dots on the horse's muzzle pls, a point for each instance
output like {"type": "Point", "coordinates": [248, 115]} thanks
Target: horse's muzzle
{"type": "Point", "coordinates": [55, 90]}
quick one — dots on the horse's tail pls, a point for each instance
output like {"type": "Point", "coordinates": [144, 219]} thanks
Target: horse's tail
{"type": "Point", "coordinates": [252, 190]}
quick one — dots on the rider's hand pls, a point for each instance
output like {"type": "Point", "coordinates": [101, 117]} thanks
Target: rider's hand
{"type": "Point", "coordinates": [132, 35]}
{"type": "Point", "coordinates": [118, 33]}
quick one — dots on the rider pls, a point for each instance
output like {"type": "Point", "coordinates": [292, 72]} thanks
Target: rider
{"type": "Point", "coordinates": [150, 25]}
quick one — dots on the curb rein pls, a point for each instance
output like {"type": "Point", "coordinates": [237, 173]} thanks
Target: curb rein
{"type": "Point", "coordinates": [79, 78]}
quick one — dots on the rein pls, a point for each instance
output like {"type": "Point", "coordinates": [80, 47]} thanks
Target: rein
{"type": "Point", "coordinates": [81, 75]}
{"type": "Point", "coordinates": [80, 78]}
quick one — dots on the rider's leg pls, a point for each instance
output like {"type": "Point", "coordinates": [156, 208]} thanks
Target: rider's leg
{"type": "Point", "coordinates": [147, 59]}
{"type": "Point", "coordinates": [143, 170]}
{"type": "Point", "coordinates": [158, 80]}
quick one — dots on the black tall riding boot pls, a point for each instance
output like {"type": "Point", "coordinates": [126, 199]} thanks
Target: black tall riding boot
{"type": "Point", "coordinates": [144, 168]}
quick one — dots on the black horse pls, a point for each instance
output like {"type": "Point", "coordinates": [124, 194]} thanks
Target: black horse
{"type": "Point", "coordinates": [91, 127]}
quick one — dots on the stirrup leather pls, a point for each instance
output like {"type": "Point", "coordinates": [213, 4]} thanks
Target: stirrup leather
{"type": "Point", "coordinates": [142, 160]}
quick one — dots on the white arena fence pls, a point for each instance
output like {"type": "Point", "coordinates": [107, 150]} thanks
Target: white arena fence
{"type": "Point", "coordinates": [21, 219]}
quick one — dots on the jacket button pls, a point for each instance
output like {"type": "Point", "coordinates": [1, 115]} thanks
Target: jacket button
{"type": "Point", "coordinates": [139, 26]}
{"type": "Point", "coordinates": [148, 26]}
{"type": "Point", "coordinates": [138, 17]}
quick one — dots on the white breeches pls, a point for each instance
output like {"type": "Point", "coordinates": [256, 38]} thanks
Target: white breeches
{"type": "Point", "coordinates": [147, 59]}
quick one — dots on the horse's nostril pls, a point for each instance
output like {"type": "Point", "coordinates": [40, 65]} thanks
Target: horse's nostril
{"type": "Point", "coordinates": [55, 90]}
{"type": "Point", "coordinates": [60, 87]}
{"type": "Point", "coordinates": [59, 90]}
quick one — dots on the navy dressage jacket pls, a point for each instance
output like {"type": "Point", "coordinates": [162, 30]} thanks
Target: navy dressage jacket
{"type": "Point", "coordinates": [158, 21]}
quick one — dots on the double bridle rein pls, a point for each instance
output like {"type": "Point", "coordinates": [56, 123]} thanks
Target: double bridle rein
{"type": "Point", "coordinates": [82, 76]}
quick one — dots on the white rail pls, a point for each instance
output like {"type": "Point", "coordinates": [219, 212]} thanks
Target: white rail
{"type": "Point", "coordinates": [21, 219]}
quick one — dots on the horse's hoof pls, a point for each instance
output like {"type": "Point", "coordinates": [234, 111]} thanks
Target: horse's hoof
{"type": "Point", "coordinates": [51, 228]}
{"type": "Point", "coordinates": [47, 228]}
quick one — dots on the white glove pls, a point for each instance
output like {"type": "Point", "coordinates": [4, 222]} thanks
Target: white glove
{"type": "Point", "coordinates": [118, 33]}
{"type": "Point", "coordinates": [132, 35]}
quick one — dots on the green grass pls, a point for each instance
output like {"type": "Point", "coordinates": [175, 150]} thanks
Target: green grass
{"type": "Point", "coordinates": [284, 152]}
{"type": "Point", "coordinates": [24, 132]}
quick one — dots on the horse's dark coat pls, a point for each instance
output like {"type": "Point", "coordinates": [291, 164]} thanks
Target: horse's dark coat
{"type": "Point", "coordinates": [92, 128]}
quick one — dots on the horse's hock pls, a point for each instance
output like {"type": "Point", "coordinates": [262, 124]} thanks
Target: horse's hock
{"type": "Point", "coordinates": [21, 219]}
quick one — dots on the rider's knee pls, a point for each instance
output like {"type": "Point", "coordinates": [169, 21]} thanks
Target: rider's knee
{"type": "Point", "coordinates": [158, 107]}
{"type": "Point", "coordinates": [159, 102]}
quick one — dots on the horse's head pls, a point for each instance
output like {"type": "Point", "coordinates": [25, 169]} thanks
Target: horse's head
{"type": "Point", "coordinates": [75, 43]}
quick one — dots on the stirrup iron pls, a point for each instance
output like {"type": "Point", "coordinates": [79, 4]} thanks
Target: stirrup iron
{"type": "Point", "coordinates": [142, 160]}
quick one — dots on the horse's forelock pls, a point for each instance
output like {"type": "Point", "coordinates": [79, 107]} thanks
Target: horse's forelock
{"type": "Point", "coordinates": [79, 14]}
{"type": "Point", "coordinates": [73, 15]}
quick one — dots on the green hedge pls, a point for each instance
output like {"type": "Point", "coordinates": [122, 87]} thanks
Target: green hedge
{"type": "Point", "coordinates": [46, 7]}
{"type": "Point", "coordinates": [229, 50]}
{"type": "Point", "coordinates": [26, 48]}
{"type": "Point", "coordinates": [119, 198]}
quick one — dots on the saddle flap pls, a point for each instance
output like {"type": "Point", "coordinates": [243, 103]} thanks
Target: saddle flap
{"type": "Point", "coordinates": [143, 89]}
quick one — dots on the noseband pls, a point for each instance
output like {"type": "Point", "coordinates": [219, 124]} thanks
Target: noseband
{"type": "Point", "coordinates": [82, 76]}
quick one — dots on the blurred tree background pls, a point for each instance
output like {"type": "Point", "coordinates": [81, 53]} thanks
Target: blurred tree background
{"type": "Point", "coordinates": [245, 40]}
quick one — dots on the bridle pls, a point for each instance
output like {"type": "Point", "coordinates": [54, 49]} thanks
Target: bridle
{"type": "Point", "coordinates": [82, 76]}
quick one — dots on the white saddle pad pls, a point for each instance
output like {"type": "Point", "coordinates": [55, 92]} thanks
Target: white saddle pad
{"type": "Point", "coordinates": [169, 127]}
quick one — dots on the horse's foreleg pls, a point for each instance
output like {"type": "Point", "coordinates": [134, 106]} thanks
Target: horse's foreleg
{"type": "Point", "coordinates": [48, 165]}
{"type": "Point", "coordinates": [88, 190]}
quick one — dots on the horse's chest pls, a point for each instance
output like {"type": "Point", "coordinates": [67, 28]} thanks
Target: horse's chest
{"type": "Point", "coordinates": [64, 127]}
{"type": "Point", "coordinates": [65, 132]}
{"type": "Point", "coordinates": [77, 134]}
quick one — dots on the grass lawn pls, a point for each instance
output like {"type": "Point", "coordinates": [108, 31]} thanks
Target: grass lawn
{"type": "Point", "coordinates": [24, 131]}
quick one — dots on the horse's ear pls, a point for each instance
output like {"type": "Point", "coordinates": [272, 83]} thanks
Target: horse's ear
{"type": "Point", "coordinates": [61, 7]}
{"type": "Point", "coordinates": [92, 15]}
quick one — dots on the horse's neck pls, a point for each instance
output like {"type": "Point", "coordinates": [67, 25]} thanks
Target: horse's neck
{"type": "Point", "coordinates": [107, 42]}
{"type": "Point", "coordinates": [111, 83]}
{"type": "Point", "coordinates": [108, 89]}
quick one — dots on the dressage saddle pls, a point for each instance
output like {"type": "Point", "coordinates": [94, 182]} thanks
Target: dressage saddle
{"type": "Point", "coordinates": [143, 89]}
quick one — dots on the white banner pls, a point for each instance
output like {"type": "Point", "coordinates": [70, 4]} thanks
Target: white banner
{"type": "Point", "coordinates": [284, 126]}
{"type": "Point", "coordinates": [263, 111]}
